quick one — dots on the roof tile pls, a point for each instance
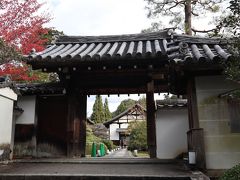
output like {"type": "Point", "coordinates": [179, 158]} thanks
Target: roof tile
{"type": "Point", "coordinates": [179, 48]}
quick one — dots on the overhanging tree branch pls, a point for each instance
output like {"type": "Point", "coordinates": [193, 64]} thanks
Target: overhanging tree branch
{"type": "Point", "coordinates": [203, 31]}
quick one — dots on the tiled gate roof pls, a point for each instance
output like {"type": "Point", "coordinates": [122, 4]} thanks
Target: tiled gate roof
{"type": "Point", "coordinates": [167, 44]}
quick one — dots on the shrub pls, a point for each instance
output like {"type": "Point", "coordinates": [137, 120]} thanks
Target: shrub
{"type": "Point", "coordinates": [232, 174]}
{"type": "Point", "coordinates": [108, 143]}
{"type": "Point", "coordinates": [88, 149]}
{"type": "Point", "coordinates": [90, 137]}
{"type": "Point", "coordinates": [138, 136]}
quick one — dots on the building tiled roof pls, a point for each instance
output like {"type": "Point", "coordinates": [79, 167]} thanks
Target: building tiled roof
{"type": "Point", "coordinates": [165, 44]}
{"type": "Point", "coordinates": [171, 103]}
{"type": "Point", "coordinates": [124, 113]}
{"type": "Point", "coordinates": [40, 89]}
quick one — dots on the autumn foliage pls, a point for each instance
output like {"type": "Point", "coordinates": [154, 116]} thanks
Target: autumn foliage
{"type": "Point", "coordinates": [21, 30]}
{"type": "Point", "coordinates": [21, 24]}
{"type": "Point", "coordinates": [18, 72]}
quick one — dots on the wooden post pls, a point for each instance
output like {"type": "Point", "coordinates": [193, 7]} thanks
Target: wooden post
{"type": "Point", "coordinates": [196, 144]}
{"type": "Point", "coordinates": [76, 125]}
{"type": "Point", "coordinates": [82, 118]}
{"type": "Point", "coordinates": [192, 104]}
{"type": "Point", "coordinates": [70, 150]}
{"type": "Point", "coordinates": [151, 124]}
{"type": "Point", "coordinates": [195, 134]}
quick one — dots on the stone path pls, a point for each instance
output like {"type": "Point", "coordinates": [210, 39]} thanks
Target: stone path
{"type": "Point", "coordinates": [121, 153]}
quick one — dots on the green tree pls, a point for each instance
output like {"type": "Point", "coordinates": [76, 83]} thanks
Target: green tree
{"type": "Point", "coordinates": [107, 113]}
{"type": "Point", "coordinates": [138, 135]}
{"type": "Point", "coordinates": [230, 26]}
{"type": "Point", "coordinates": [182, 12]}
{"type": "Point", "coordinates": [127, 103]}
{"type": "Point", "coordinates": [123, 106]}
{"type": "Point", "coordinates": [98, 113]}
{"type": "Point", "coordinates": [51, 35]}
{"type": "Point", "coordinates": [142, 101]}
{"type": "Point", "coordinates": [155, 26]}
{"type": "Point", "coordinates": [230, 23]}
{"type": "Point", "coordinates": [231, 174]}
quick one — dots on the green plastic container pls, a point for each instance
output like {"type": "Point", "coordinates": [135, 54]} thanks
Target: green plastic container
{"type": "Point", "coordinates": [94, 149]}
{"type": "Point", "coordinates": [102, 149]}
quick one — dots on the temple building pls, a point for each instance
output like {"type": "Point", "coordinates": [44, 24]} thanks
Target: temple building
{"type": "Point", "coordinates": [118, 126]}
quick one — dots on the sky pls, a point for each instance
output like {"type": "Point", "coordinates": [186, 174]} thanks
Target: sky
{"type": "Point", "coordinates": [98, 17]}
{"type": "Point", "coordinates": [95, 17]}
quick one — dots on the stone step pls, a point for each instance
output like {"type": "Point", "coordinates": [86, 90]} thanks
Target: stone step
{"type": "Point", "coordinates": [100, 160]}
{"type": "Point", "coordinates": [97, 171]}
{"type": "Point", "coordinates": [88, 177]}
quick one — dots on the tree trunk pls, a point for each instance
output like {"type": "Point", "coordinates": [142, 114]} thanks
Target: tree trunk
{"type": "Point", "coordinates": [188, 17]}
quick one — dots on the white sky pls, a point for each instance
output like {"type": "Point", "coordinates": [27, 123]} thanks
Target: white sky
{"type": "Point", "coordinates": [98, 17]}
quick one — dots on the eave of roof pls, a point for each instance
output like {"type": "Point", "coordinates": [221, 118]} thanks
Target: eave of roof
{"type": "Point", "coordinates": [162, 47]}
{"type": "Point", "coordinates": [40, 89]}
{"type": "Point", "coordinates": [171, 103]}
{"type": "Point", "coordinates": [115, 38]}
{"type": "Point", "coordinates": [123, 114]}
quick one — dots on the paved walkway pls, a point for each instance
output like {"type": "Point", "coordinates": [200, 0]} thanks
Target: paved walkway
{"type": "Point", "coordinates": [121, 153]}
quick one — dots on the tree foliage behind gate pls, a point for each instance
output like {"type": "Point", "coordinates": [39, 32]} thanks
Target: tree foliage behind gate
{"type": "Point", "coordinates": [138, 136]}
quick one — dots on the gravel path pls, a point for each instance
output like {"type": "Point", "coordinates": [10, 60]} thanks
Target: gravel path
{"type": "Point", "coordinates": [121, 153]}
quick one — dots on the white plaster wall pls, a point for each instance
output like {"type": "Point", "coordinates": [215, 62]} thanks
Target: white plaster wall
{"type": "Point", "coordinates": [222, 147]}
{"type": "Point", "coordinates": [171, 126]}
{"type": "Point", "coordinates": [6, 120]}
{"type": "Point", "coordinates": [28, 104]}
{"type": "Point", "coordinates": [123, 119]}
{"type": "Point", "coordinates": [125, 125]}
{"type": "Point", "coordinates": [114, 135]}
{"type": "Point", "coordinates": [8, 93]}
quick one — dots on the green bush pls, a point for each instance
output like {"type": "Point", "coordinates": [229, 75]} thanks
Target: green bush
{"type": "Point", "coordinates": [88, 149]}
{"type": "Point", "coordinates": [138, 136]}
{"type": "Point", "coordinates": [90, 137]}
{"type": "Point", "coordinates": [109, 144]}
{"type": "Point", "coordinates": [232, 174]}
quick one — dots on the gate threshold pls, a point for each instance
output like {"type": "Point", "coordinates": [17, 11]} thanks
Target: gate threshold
{"type": "Point", "coordinates": [100, 161]}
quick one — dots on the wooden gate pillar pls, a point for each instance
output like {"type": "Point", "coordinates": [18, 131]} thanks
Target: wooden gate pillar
{"type": "Point", "coordinates": [76, 140]}
{"type": "Point", "coordinates": [151, 124]}
{"type": "Point", "coordinates": [195, 134]}
{"type": "Point", "coordinates": [192, 104]}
